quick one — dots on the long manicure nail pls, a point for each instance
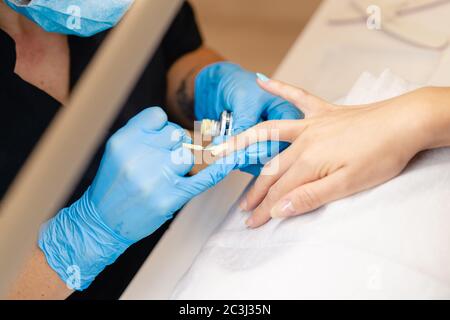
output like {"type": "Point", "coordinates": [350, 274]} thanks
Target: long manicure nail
{"type": "Point", "coordinates": [243, 205]}
{"type": "Point", "coordinates": [262, 77]}
{"type": "Point", "coordinates": [218, 149]}
{"type": "Point", "coordinates": [283, 210]}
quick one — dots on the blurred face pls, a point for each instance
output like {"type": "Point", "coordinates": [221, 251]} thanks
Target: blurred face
{"type": "Point", "coordinates": [72, 17]}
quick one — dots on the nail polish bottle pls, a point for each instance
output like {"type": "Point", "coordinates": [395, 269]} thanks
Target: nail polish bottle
{"type": "Point", "coordinates": [214, 128]}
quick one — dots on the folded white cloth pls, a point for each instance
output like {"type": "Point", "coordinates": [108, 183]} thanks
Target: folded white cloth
{"type": "Point", "coordinates": [390, 242]}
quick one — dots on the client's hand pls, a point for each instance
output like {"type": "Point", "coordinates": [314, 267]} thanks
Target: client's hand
{"type": "Point", "coordinates": [338, 151]}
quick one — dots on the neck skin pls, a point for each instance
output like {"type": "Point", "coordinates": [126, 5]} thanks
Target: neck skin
{"type": "Point", "coordinates": [42, 58]}
{"type": "Point", "coordinates": [16, 25]}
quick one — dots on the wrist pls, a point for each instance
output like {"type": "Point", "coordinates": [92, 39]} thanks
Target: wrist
{"type": "Point", "coordinates": [434, 110]}
{"type": "Point", "coordinates": [78, 245]}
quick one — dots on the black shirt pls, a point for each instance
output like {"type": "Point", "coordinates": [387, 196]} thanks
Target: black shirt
{"type": "Point", "coordinates": [27, 111]}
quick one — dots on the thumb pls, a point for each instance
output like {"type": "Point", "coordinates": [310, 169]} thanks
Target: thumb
{"type": "Point", "coordinates": [212, 175]}
{"type": "Point", "coordinates": [311, 196]}
{"type": "Point", "coordinates": [150, 119]}
{"type": "Point", "coordinates": [309, 104]}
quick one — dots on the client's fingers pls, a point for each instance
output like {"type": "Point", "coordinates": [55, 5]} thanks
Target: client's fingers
{"type": "Point", "coordinates": [297, 175]}
{"type": "Point", "coordinates": [275, 130]}
{"type": "Point", "coordinates": [270, 174]}
{"type": "Point", "coordinates": [313, 195]}
{"type": "Point", "coordinates": [306, 102]}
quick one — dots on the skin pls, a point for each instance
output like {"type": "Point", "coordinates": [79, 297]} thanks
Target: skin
{"type": "Point", "coordinates": [338, 151]}
{"type": "Point", "coordinates": [43, 60]}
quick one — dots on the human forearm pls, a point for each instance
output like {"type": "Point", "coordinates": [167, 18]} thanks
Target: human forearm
{"type": "Point", "coordinates": [181, 84]}
{"type": "Point", "coordinates": [436, 112]}
{"type": "Point", "coordinates": [38, 281]}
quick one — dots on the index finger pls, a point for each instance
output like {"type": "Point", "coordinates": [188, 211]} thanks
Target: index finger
{"type": "Point", "coordinates": [309, 104]}
{"type": "Point", "coordinates": [274, 130]}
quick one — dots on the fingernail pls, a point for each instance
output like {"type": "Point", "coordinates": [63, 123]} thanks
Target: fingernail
{"type": "Point", "coordinates": [243, 205]}
{"type": "Point", "coordinates": [262, 77]}
{"type": "Point", "coordinates": [216, 150]}
{"type": "Point", "coordinates": [283, 210]}
{"type": "Point", "coordinates": [250, 222]}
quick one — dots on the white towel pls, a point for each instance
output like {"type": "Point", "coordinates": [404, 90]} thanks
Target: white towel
{"type": "Point", "coordinates": [390, 242]}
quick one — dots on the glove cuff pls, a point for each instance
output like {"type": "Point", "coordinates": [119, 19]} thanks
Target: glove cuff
{"type": "Point", "coordinates": [78, 245]}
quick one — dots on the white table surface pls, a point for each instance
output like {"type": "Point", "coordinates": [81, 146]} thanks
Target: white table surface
{"type": "Point", "coordinates": [326, 60]}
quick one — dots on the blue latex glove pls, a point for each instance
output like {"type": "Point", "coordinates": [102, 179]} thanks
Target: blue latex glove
{"type": "Point", "coordinates": [226, 86]}
{"type": "Point", "coordinates": [140, 184]}
{"type": "Point", "coordinates": [76, 17]}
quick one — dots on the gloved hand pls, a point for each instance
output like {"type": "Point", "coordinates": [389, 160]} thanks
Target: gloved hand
{"type": "Point", "coordinates": [140, 184]}
{"type": "Point", "coordinates": [226, 86]}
